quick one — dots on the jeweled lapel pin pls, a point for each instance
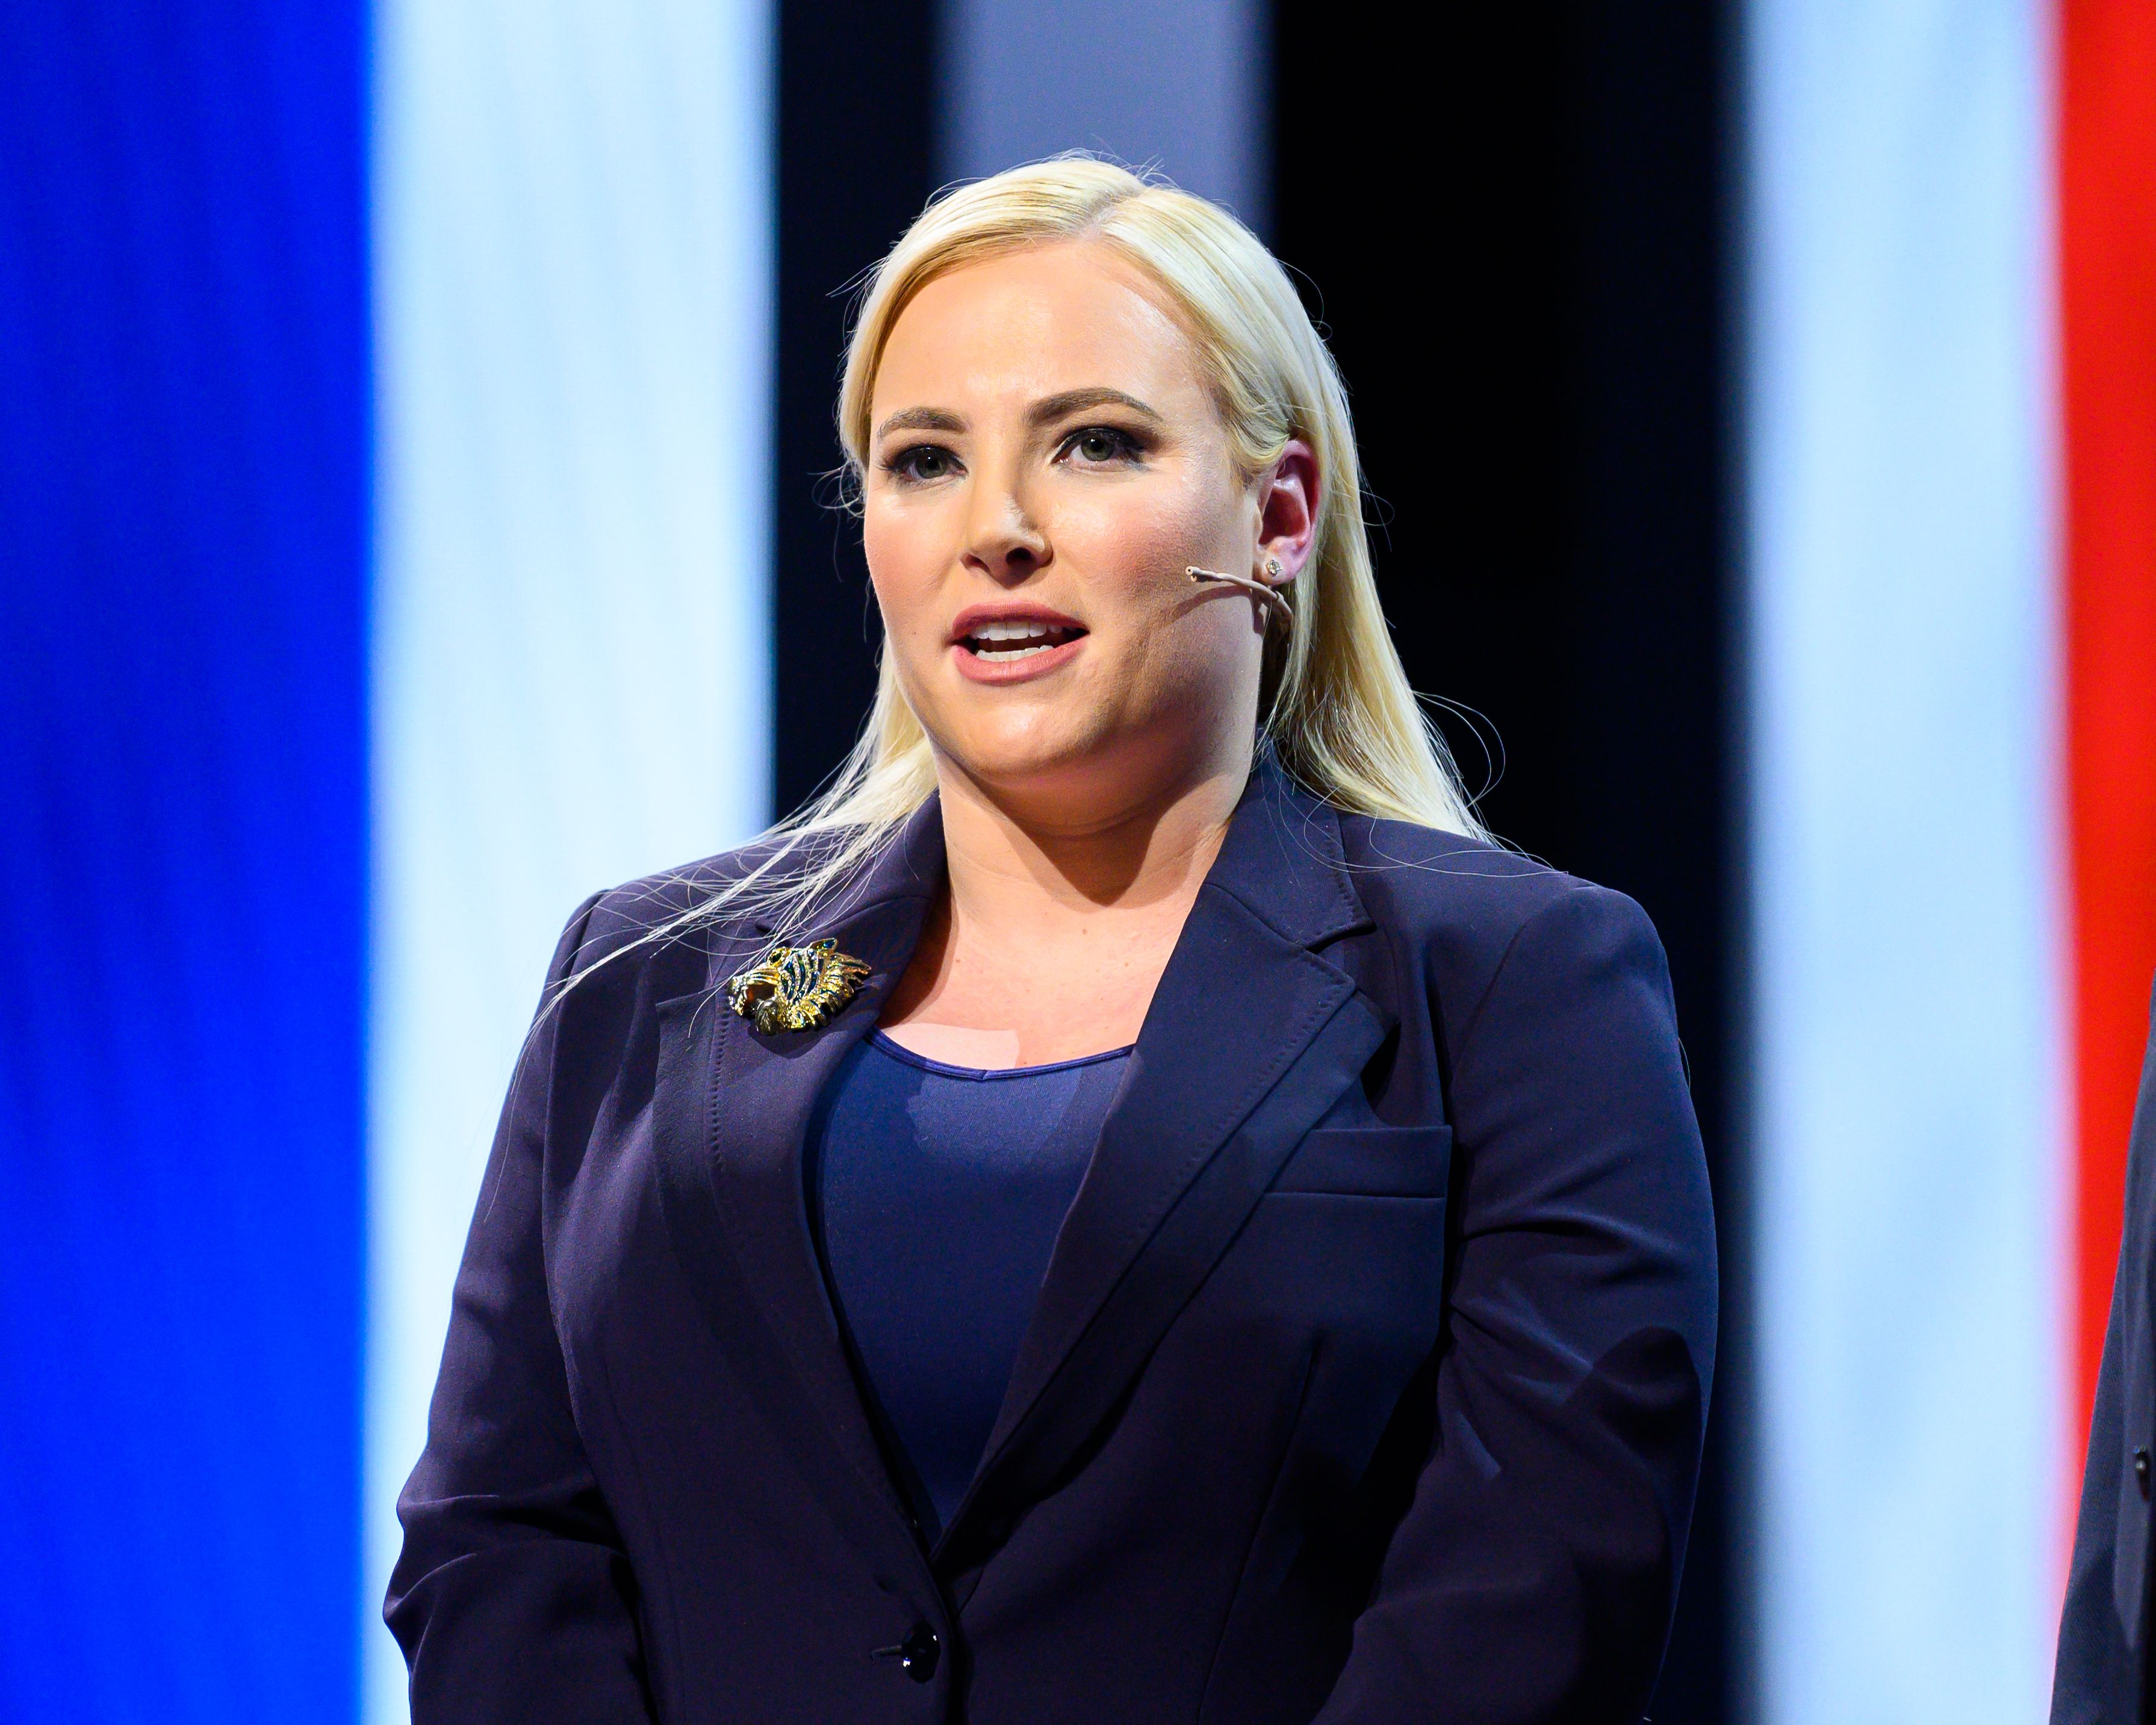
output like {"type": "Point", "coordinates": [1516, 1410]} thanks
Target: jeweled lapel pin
{"type": "Point", "coordinates": [796, 987]}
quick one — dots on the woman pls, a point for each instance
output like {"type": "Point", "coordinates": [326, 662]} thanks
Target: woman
{"type": "Point", "coordinates": [1209, 1238]}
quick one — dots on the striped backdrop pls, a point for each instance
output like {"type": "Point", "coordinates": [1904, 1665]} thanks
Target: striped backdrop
{"type": "Point", "coordinates": [410, 423]}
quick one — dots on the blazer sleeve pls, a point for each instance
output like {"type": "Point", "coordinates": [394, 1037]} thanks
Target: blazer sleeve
{"type": "Point", "coordinates": [1533, 1576]}
{"type": "Point", "coordinates": [513, 1598]}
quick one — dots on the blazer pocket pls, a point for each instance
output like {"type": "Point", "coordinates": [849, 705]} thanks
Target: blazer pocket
{"type": "Point", "coordinates": [1371, 1162]}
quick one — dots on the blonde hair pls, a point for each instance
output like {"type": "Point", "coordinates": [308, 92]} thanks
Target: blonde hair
{"type": "Point", "coordinates": [1335, 705]}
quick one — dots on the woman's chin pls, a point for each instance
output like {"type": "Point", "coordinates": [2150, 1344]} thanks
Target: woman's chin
{"type": "Point", "coordinates": [1077, 776]}
{"type": "Point", "coordinates": [1032, 767]}
{"type": "Point", "coordinates": [1039, 760]}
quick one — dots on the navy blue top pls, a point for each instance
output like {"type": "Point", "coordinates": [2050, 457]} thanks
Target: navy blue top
{"type": "Point", "coordinates": [940, 1190]}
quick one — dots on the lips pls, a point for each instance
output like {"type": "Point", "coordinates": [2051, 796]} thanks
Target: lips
{"type": "Point", "coordinates": [1006, 643]}
{"type": "Point", "coordinates": [1006, 634]}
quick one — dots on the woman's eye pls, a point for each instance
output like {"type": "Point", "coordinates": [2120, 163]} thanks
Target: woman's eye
{"type": "Point", "coordinates": [1098, 444]}
{"type": "Point", "coordinates": [923, 462]}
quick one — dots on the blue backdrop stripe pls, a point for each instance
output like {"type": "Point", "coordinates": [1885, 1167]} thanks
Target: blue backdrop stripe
{"type": "Point", "coordinates": [183, 508]}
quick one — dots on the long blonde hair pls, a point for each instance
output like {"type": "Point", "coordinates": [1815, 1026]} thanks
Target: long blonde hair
{"type": "Point", "coordinates": [1335, 705]}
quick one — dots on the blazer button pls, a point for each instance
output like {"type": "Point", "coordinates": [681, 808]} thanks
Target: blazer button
{"type": "Point", "coordinates": [2141, 1473]}
{"type": "Point", "coordinates": [918, 1652]}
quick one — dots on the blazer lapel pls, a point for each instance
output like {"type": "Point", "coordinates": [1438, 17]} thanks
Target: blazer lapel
{"type": "Point", "coordinates": [735, 1112]}
{"type": "Point", "coordinates": [1250, 1038]}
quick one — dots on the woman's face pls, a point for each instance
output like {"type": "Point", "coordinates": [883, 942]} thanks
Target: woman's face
{"type": "Point", "coordinates": [1045, 461]}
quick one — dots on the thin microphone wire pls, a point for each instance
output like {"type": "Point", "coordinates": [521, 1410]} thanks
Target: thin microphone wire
{"type": "Point", "coordinates": [1271, 595]}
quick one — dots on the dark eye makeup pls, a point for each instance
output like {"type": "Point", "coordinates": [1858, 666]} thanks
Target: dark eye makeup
{"type": "Point", "coordinates": [922, 462]}
{"type": "Point", "coordinates": [1097, 446]}
{"type": "Point", "coordinates": [1088, 446]}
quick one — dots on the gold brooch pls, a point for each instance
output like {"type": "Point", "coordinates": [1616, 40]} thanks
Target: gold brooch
{"type": "Point", "coordinates": [796, 987]}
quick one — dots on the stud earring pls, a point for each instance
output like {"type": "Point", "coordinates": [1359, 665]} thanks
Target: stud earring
{"type": "Point", "coordinates": [1273, 568]}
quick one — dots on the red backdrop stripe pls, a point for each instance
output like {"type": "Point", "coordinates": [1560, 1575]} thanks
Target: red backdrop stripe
{"type": "Point", "coordinates": [2106, 170]}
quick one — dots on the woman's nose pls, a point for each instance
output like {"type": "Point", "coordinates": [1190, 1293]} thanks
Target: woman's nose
{"type": "Point", "coordinates": [1006, 541]}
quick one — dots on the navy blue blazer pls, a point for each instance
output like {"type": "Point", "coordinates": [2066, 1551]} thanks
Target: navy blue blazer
{"type": "Point", "coordinates": [2102, 1675]}
{"type": "Point", "coordinates": [1367, 1382]}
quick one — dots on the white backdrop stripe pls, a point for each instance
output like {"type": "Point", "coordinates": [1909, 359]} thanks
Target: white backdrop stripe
{"type": "Point", "coordinates": [571, 641]}
{"type": "Point", "coordinates": [1911, 1151]}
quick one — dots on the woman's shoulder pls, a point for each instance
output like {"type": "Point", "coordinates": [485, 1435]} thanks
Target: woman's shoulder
{"type": "Point", "coordinates": [1511, 952]}
{"type": "Point", "coordinates": [1474, 900]}
{"type": "Point", "coordinates": [681, 913]}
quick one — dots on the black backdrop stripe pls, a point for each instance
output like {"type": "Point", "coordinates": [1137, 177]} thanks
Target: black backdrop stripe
{"type": "Point", "coordinates": [856, 94]}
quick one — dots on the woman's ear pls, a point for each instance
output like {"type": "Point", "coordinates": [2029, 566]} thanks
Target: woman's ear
{"type": "Point", "coordinates": [1287, 513]}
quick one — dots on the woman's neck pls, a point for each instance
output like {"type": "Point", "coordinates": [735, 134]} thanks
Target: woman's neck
{"type": "Point", "coordinates": [1015, 866]}
{"type": "Point", "coordinates": [1054, 931]}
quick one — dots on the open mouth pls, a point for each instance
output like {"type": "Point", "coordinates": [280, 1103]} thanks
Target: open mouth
{"type": "Point", "coordinates": [1009, 640]}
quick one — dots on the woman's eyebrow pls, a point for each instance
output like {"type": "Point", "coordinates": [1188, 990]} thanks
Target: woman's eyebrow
{"type": "Point", "coordinates": [1077, 401]}
{"type": "Point", "coordinates": [921, 419]}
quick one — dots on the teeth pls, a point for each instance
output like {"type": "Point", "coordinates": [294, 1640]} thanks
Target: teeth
{"type": "Point", "coordinates": [1017, 638]}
